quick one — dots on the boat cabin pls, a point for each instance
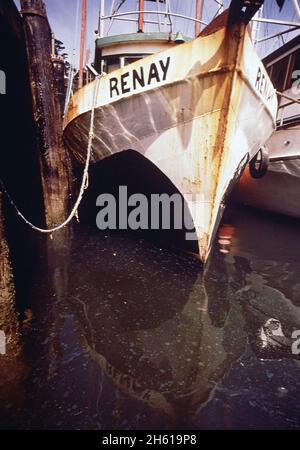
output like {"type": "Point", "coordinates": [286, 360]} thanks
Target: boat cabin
{"type": "Point", "coordinates": [114, 52]}
{"type": "Point", "coordinates": [148, 30]}
{"type": "Point", "coordinates": [283, 66]}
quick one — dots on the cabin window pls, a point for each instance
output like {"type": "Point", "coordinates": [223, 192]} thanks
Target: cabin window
{"type": "Point", "coordinates": [115, 62]}
{"type": "Point", "coordinates": [132, 59]}
{"type": "Point", "coordinates": [282, 72]}
{"type": "Point", "coordinates": [111, 63]}
{"type": "Point", "coordinates": [277, 72]}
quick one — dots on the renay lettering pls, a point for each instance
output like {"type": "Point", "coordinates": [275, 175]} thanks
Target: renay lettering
{"type": "Point", "coordinates": [131, 80]}
{"type": "Point", "coordinates": [263, 86]}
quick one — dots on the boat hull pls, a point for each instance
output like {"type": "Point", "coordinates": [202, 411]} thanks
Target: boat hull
{"type": "Point", "coordinates": [279, 190]}
{"type": "Point", "coordinates": [195, 121]}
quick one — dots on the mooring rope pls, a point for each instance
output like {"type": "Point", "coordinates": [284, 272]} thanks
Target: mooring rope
{"type": "Point", "coordinates": [85, 177]}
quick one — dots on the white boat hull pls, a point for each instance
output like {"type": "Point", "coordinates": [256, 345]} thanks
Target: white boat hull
{"type": "Point", "coordinates": [279, 190]}
{"type": "Point", "coordinates": [198, 122]}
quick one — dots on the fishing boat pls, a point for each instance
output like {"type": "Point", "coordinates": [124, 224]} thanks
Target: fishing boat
{"type": "Point", "coordinates": [277, 187]}
{"type": "Point", "coordinates": [198, 109]}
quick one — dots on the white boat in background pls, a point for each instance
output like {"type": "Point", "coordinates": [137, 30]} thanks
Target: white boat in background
{"type": "Point", "coordinates": [279, 189]}
{"type": "Point", "coordinates": [197, 111]}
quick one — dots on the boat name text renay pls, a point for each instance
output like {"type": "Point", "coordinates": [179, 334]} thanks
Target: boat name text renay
{"type": "Point", "coordinates": [131, 80]}
{"type": "Point", "coordinates": [263, 86]}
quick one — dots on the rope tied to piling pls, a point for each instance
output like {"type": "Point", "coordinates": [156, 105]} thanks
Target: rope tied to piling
{"type": "Point", "coordinates": [85, 177]}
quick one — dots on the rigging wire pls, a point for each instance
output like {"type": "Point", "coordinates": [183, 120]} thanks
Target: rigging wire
{"type": "Point", "coordinates": [85, 177]}
{"type": "Point", "coordinates": [187, 22]}
{"type": "Point", "coordinates": [114, 11]}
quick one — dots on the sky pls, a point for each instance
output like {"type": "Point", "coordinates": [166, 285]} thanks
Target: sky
{"type": "Point", "coordinates": [62, 17]}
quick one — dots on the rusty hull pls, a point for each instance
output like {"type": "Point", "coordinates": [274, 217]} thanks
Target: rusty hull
{"type": "Point", "coordinates": [198, 126]}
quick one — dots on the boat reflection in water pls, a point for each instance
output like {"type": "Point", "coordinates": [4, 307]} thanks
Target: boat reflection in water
{"type": "Point", "coordinates": [144, 339]}
{"type": "Point", "coordinates": [170, 346]}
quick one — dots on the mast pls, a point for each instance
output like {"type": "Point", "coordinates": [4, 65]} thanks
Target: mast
{"type": "Point", "coordinates": [82, 42]}
{"type": "Point", "coordinates": [198, 16]}
{"type": "Point", "coordinates": [100, 23]}
{"type": "Point", "coordinates": [141, 16]}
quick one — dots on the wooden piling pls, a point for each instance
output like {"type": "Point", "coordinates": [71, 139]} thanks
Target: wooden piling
{"type": "Point", "coordinates": [12, 366]}
{"type": "Point", "coordinates": [7, 287]}
{"type": "Point", "coordinates": [6, 278]}
{"type": "Point", "coordinates": [54, 160]}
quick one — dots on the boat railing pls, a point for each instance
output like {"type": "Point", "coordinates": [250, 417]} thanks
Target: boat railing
{"type": "Point", "coordinates": [163, 16]}
{"type": "Point", "coordinates": [122, 15]}
{"type": "Point", "coordinates": [125, 16]}
{"type": "Point", "coordinates": [290, 101]}
{"type": "Point", "coordinates": [287, 104]}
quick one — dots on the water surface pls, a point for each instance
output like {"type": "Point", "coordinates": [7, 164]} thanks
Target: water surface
{"type": "Point", "coordinates": [122, 334]}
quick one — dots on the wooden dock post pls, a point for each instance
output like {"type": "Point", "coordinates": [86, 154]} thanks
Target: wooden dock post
{"type": "Point", "coordinates": [54, 161]}
{"type": "Point", "coordinates": [12, 364]}
{"type": "Point", "coordinates": [7, 289]}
